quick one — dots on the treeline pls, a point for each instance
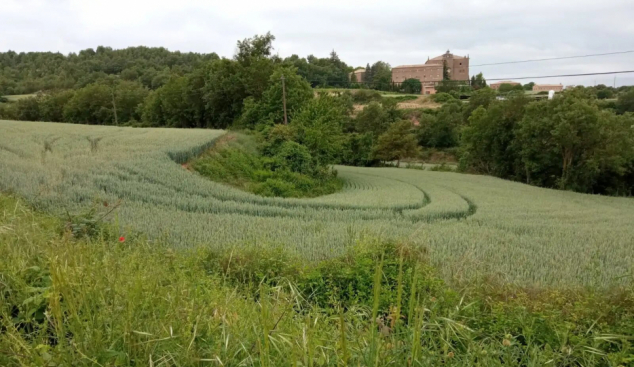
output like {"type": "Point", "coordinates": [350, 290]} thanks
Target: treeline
{"type": "Point", "coordinates": [571, 142]}
{"type": "Point", "coordinates": [25, 73]}
{"type": "Point", "coordinates": [32, 72]}
{"type": "Point", "coordinates": [582, 140]}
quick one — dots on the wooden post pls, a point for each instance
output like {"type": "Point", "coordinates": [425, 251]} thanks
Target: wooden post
{"type": "Point", "coordinates": [284, 100]}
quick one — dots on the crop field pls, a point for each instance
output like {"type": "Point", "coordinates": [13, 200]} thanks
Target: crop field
{"type": "Point", "coordinates": [472, 225]}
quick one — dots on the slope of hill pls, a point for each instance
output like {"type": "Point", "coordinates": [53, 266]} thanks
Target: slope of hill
{"type": "Point", "coordinates": [473, 225]}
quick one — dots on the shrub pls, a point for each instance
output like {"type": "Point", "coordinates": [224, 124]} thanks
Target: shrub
{"type": "Point", "coordinates": [295, 157]}
{"type": "Point", "coordinates": [442, 97]}
{"type": "Point", "coordinates": [412, 86]}
{"type": "Point", "coordinates": [365, 96]}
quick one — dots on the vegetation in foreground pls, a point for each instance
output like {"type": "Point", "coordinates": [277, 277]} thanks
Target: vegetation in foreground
{"type": "Point", "coordinates": [287, 170]}
{"type": "Point", "coordinates": [110, 300]}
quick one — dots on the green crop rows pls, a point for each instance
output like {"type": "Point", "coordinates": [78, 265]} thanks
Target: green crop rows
{"type": "Point", "coordinates": [472, 225]}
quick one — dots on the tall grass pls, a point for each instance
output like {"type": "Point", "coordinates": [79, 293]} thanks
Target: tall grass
{"type": "Point", "coordinates": [102, 302]}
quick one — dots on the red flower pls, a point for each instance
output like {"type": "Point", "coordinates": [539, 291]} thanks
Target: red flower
{"type": "Point", "coordinates": [121, 239]}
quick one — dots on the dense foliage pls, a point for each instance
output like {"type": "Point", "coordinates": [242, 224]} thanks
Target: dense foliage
{"type": "Point", "coordinates": [24, 73]}
{"type": "Point", "coordinates": [567, 143]}
{"type": "Point", "coordinates": [284, 171]}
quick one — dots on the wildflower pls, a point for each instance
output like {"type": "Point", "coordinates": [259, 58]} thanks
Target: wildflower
{"type": "Point", "coordinates": [506, 343]}
{"type": "Point", "coordinates": [450, 355]}
{"type": "Point", "coordinates": [121, 239]}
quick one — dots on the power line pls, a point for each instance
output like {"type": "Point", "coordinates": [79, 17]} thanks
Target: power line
{"type": "Point", "coordinates": [555, 58]}
{"type": "Point", "coordinates": [561, 76]}
{"type": "Point", "coordinates": [492, 79]}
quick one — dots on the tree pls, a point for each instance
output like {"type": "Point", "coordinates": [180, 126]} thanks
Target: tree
{"type": "Point", "coordinates": [604, 93]}
{"type": "Point", "coordinates": [567, 143]}
{"type": "Point", "coordinates": [227, 83]}
{"type": "Point", "coordinates": [482, 97]}
{"type": "Point", "coordinates": [412, 85]}
{"type": "Point", "coordinates": [625, 102]}
{"type": "Point", "coordinates": [270, 109]}
{"type": "Point", "coordinates": [372, 119]}
{"type": "Point", "coordinates": [358, 150]}
{"type": "Point", "coordinates": [176, 104]}
{"type": "Point", "coordinates": [445, 71]}
{"type": "Point", "coordinates": [441, 131]}
{"type": "Point", "coordinates": [488, 141]}
{"type": "Point", "coordinates": [506, 88]}
{"type": "Point", "coordinates": [28, 109]}
{"type": "Point", "coordinates": [368, 78]}
{"type": "Point", "coordinates": [381, 75]}
{"type": "Point", "coordinates": [52, 105]}
{"type": "Point", "coordinates": [251, 50]}
{"type": "Point", "coordinates": [478, 82]}
{"type": "Point", "coordinates": [397, 143]}
{"type": "Point", "coordinates": [529, 86]}
{"type": "Point", "coordinates": [90, 105]}
{"type": "Point", "coordinates": [94, 103]}
{"type": "Point", "coordinates": [319, 126]}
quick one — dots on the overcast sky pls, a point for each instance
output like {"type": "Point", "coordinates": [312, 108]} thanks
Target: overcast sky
{"type": "Point", "coordinates": [398, 32]}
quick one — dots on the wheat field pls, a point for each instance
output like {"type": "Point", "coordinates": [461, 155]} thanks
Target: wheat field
{"type": "Point", "coordinates": [472, 225]}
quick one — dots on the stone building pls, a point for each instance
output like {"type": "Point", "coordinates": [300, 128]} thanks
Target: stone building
{"type": "Point", "coordinates": [548, 87]}
{"type": "Point", "coordinates": [497, 85]}
{"type": "Point", "coordinates": [431, 72]}
{"type": "Point", "coordinates": [359, 74]}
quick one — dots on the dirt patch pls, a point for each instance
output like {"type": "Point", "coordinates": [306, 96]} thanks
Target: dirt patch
{"type": "Point", "coordinates": [420, 102]}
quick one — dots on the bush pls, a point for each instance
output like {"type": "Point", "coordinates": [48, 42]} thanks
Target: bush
{"type": "Point", "coordinates": [625, 102]}
{"type": "Point", "coordinates": [295, 157]}
{"type": "Point", "coordinates": [358, 150]}
{"type": "Point", "coordinates": [411, 85]}
{"type": "Point", "coordinates": [344, 281]}
{"type": "Point", "coordinates": [442, 97]}
{"type": "Point", "coordinates": [365, 96]}
{"type": "Point", "coordinates": [28, 109]}
{"type": "Point", "coordinates": [274, 187]}
{"type": "Point", "coordinates": [288, 171]}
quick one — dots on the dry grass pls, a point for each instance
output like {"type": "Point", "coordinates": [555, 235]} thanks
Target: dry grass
{"type": "Point", "coordinates": [421, 102]}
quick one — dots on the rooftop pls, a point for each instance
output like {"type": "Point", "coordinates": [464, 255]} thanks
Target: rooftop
{"type": "Point", "coordinates": [415, 66]}
{"type": "Point", "coordinates": [506, 82]}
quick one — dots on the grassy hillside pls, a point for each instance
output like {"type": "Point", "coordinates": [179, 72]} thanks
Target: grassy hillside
{"type": "Point", "coordinates": [473, 226]}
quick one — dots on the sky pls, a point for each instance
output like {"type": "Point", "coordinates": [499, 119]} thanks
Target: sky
{"type": "Point", "coordinates": [361, 32]}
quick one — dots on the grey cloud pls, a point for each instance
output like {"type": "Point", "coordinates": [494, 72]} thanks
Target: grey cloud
{"type": "Point", "coordinates": [361, 32]}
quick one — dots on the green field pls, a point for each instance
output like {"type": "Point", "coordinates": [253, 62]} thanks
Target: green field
{"type": "Point", "coordinates": [472, 225]}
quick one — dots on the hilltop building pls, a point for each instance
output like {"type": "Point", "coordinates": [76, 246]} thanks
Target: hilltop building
{"type": "Point", "coordinates": [548, 87]}
{"type": "Point", "coordinates": [359, 74]}
{"type": "Point", "coordinates": [497, 85]}
{"type": "Point", "coordinates": [431, 72]}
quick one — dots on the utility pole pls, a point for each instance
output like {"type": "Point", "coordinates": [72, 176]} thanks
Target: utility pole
{"type": "Point", "coordinates": [614, 86]}
{"type": "Point", "coordinates": [284, 100]}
